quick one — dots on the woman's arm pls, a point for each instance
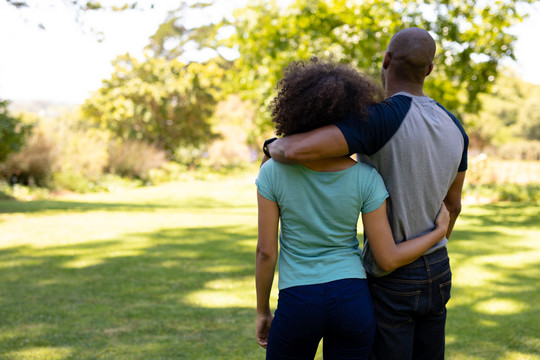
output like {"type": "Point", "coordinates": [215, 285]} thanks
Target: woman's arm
{"type": "Point", "coordinates": [265, 264]}
{"type": "Point", "coordinates": [390, 256]}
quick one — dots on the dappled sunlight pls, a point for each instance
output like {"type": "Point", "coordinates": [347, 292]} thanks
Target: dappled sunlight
{"type": "Point", "coordinates": [41, 353]}
{"type": "Point", "coordinates": [496, 266]}
{"type": "Point", "coordinates": [170, 277]}
{"type": "Point", "coordinates": [217, 299]}
{"type": "Point", "coordinates": [224, 293]}
{"type": "Point", "coordinates": [500, 306]}
{"type": "Point", "coordinates": [82, 263]}
{"type": "Point", "coordinates": [222, 269]}
{"type": "Point", "coordinates": [487, 323]}
{"type": "Point", "coordinates": [515, 355]}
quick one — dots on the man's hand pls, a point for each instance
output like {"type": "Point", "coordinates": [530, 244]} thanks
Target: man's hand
{"type": "Point", "coordinates": [263, 328]}
{"type": "Point", "coordinates": [453, 200]}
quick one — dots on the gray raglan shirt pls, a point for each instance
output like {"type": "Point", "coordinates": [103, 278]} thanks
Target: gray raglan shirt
{"type": "Point", "coordinates": [418, 147]}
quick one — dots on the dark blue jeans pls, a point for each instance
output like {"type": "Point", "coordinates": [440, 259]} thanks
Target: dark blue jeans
{"type": "Point", "coordinates": [340, 312]}
{"type": "Point", "coordinates": [410, 309]}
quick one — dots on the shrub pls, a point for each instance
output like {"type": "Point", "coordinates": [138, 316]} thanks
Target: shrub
{"type": "Point", "coordinates": [134, 159]}
{"type": "Point", "coordinates": [13, 131]}
{"type": "Point", "coordinates": [504, 192]}
{"type": "Point", "coordinates": [523, 150]}
{"type": "Point", "coordinates": [84, 154]}
{"type": "Point", "coordinates": [34, 163]}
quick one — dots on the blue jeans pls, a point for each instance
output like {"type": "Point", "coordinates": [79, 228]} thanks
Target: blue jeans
{"type": "Point", "coordinates": [410, 309]}
{"type": "Point", "coordinates": [340, 312]}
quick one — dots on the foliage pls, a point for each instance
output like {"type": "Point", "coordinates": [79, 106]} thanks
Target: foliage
{"type": "Point", "coordinates": [158, 101]}
{"type": "Point", "coordinates": [520, 150]}
{"type": "Point", "coordinates": [528, 193]}
{"type": "Point", "coordinates": [134, 159]}
{"type": "Point", "coordinates": [233, 121]}
{"type": "Point", "coordinates": [34, 163]}
{"type": "Point", "coordinates": [529, 117]}
{"type": "Point", "coordinates": [82, 149]}
{"type": "Point", "coordinates": [472, 39]}
{"type": "Point", "coordinates": [175, 37]}
{"type": "Point", "coordinates": [13, 131]}
{"type": "Point", "coordinates": [510, 112]}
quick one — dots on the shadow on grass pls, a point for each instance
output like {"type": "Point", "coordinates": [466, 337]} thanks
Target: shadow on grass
{"type": "Point", "coordinates": [506, 214]}
{"type": "Point", "coordinates": [172, 294]}
{"type": "Point", "coordinates": [495, 305]}
{"type": "Point", "coordinates": [58, 206]}
{"type": "Point", "coordinates": [188, 293]}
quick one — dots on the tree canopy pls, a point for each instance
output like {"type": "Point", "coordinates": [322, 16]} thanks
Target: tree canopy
{"type": "Point", "coordinates": [13, 131]}
{"type": "Point", "coordinates": [472, 39]}
{"type": "Point", "coordinates": [161, 102]}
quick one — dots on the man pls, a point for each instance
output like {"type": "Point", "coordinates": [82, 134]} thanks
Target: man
{"type": "Point", "coordinates": [420, 149]}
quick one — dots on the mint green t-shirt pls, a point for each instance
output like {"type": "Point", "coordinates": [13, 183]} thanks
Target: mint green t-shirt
{"type": "Point", "coordinates": [319, 215]}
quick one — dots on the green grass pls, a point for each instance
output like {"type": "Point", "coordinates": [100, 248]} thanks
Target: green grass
{"type": "Point", "coordinates": [167, 272]}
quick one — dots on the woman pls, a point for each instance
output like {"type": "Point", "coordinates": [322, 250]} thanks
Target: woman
{"type": "Point", "coordinates": [323, 290]}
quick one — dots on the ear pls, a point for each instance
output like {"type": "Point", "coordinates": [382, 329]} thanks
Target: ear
{"type": "Point", "coordinates": [430, 69]}
{"type": "Point", "coordinates": [386, 60]}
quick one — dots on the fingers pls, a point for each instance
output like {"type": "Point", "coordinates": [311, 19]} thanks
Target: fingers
{"type": "Point", "coordinates": [263, 342]}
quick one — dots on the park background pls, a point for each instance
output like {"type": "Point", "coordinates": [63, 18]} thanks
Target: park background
{"type": "Point", "coordinates": [130, 141]}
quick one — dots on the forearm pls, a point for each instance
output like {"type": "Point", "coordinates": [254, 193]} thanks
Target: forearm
{"type": "Point", "coordinates": [390, 256]}
{"type": "Point", "coordinates": [322, 143]}
{"type": "Point", "coordinates": [264, 277]}
{"type": "Point", "coordinates": [410, 250]}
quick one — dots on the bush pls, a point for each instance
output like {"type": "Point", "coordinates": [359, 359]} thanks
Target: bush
{"type": "Point", "coordinates": [13, 131]}
{"type": "Point", "coordinates": [134, 159]}
{"type": "Point", "coordinates": [84, 154]}
{"type": "Point", "coordinates": [504, 192]}
{"type": "Point", "coordinates": [523, 150]}
{"type": "Point", "coordinates": [34, 163]}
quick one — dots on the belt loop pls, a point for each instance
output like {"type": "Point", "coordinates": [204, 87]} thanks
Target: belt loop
{"type": "Point", "coordinates": [426, 262]}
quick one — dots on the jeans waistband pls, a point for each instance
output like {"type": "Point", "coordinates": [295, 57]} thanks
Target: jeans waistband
{"type": "Point", "coordinates": [431, 258]}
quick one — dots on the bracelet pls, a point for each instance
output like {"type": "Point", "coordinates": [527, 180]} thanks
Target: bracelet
{"type": "Point", "coordinates": [265, 146]}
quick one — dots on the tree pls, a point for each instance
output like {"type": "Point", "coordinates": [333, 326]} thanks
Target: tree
{"type": "Point", "coordinates": [472, 38]}
{"type": "Point", "coordinates": [162, 102]}
{"type": "Point", "coordinates": [529, 117]}
{"type": "Point", "coordinates": [13, 131]}
{"type": "Point", "coordinates": [510, 113]}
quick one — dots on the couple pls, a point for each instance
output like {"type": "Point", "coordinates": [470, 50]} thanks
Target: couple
{"type": "Point", "coordinates": [419, 150]}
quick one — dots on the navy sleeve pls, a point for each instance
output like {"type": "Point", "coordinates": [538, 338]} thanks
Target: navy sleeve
{"type": "Point", "coordinates": [367, 135]}
{"type": "Point", "coordinates": [463, 164]}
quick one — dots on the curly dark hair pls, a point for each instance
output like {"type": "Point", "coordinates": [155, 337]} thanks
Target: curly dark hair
{"type": "Point", "coordinates": [317, 93]}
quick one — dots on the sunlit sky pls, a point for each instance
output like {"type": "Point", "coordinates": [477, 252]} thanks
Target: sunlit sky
{"type": "Point", "coordinates": [65, 62]}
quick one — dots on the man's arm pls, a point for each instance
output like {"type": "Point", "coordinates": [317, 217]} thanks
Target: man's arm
{"type": "Point", "coordinates": [453, 200]}
{"type": "Point", "coordinates": [322, 143]}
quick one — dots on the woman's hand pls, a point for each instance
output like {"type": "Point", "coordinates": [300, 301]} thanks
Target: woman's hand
{"type": "Point", "coordinates": [443, 219]}
{"type": "Point", "coordinates": [263, 328]}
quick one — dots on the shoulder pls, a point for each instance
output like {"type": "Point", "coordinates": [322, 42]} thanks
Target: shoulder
{"type": "Point", "coordinates": [394, 108]}
{"type": "Point", "coordinates": [272, 167]}
{"type": "Point", "coordinates": [369, 174]}
{"type": "Point", "coordinates": [455, 120]}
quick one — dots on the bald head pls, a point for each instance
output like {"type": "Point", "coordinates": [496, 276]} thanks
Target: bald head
{"type": "Point", "coordinates": [411, 53]}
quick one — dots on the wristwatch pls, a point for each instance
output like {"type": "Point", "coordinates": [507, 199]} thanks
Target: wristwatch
{"type": "Point", "coordinates": [265, 146]}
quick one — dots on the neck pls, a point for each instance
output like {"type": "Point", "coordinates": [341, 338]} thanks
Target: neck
{"type": "Point", "coordinates": [393, 87]}
{"type": "Point", "coordinates": [331, 164]}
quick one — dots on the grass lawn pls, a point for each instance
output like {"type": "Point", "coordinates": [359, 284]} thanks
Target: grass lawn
{"type": "Point", "coordinates": [167, 272]}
